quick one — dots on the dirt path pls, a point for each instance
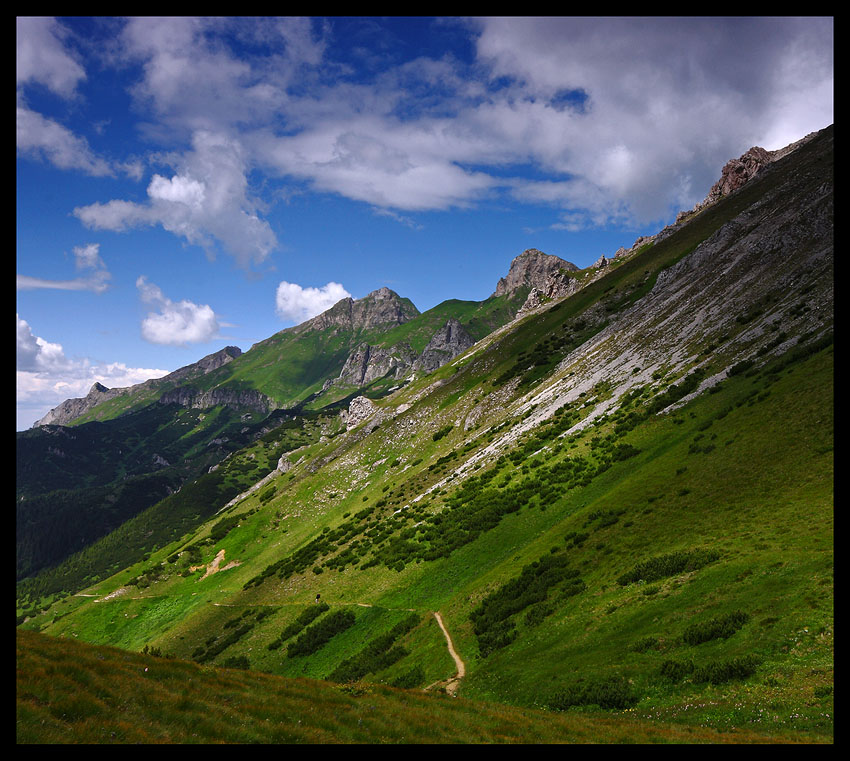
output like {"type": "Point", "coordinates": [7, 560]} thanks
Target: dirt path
{"type": "Point", "coordinates": [452, 684]}
{"type": "Point", "coordinates": [214, 566]}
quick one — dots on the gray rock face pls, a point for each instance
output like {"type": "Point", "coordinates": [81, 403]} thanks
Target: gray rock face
{"type": "Point", "coordinates": [188, 396]}
{"type": "Point", "coordinates": [737, 172]}
{"type": "Point", "coordinates": [536, 299]}
{"type": "Point", "coordinates": [369, 363]}
{"type": "Point", "coordinates": [381, 308]}
{"type": "Point", "coordinates": [71, 409]}
{"type": "Point", "coordinates": [360, 409]}
{"type": "Point", "coordinates": [533, 268]}
{"type": "Point", "coordinates": [444, 346]}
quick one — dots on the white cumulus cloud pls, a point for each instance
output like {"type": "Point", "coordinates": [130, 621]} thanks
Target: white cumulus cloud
{"type": "Point", "coordinates": [205, 202]}
{"type": "Point", "coordinates": [293, 302]}
{"type": "Point", "coordinates": [177, 323]}
{"type": "Point", "coordinates": [42, 56]}
{"type": "Point", "coordinates": [35, 354]}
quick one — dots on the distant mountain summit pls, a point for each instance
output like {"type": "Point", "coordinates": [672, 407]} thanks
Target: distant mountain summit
{"type": "Point", "coordinates": [738, 172]}
{"type": "Point", "coordinates": [534, 269]}
{"type": "Point", "coordinates": [71, 409]}
{"type": "Point", "coordinates": [382, 308]}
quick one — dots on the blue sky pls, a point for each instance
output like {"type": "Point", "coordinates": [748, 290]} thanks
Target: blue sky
{"type": "Point", "coordinates": [189, 183]}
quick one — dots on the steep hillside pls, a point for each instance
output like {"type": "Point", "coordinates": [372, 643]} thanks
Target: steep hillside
{"type": "Point", "coordinates": [620, 501]}
{"type": "Point", "coordinates": [94, 463]}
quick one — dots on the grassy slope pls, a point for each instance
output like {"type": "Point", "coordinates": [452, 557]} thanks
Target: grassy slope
{"type": "Point", "coordinates": [746, 471]}
{"type": "Point", "coordinates": [761, 497]}
{"type": "Point", "coordinates": [69, 692]}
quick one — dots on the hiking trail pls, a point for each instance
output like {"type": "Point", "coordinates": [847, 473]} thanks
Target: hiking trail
{"type": "Point", "coordinates": [450, 685]}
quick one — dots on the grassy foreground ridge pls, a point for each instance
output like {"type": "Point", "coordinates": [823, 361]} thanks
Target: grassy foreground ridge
{"type": "Point", "coordinates": [69, 692]}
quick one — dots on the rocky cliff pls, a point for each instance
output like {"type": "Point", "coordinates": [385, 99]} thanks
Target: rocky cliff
{"type": "Point", "coordinates": [71, 409]}
{"type": "Point", "coordinates": [379, 309]}
{"type": "Point", "coordinates": [369, 363]}
{"type": "Point", "coordinates": [449, 341]}
{"type": "Point", "coordinates": [534, 269]}
{"type": "Point", "coordinates": [188, 396]}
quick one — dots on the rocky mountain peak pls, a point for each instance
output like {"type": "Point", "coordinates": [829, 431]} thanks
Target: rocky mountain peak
{"type": "Point", "coordinates": [532, 268]}
{"type": "Point", "coordinates": [381, 308]}
{"type": "Point", "coordinates": [383, 293]}
{"type": "Point", "coordinates": [737, 172]}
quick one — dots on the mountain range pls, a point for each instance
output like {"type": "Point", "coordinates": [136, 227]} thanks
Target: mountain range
{"type": "Point", "coordinates": [599, 490]}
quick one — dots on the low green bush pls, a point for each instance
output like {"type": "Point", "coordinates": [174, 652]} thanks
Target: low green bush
{"type": "Point", "coordinates": [613, 692]}
{"type": "Point", "coordinates": [643, 645]}
{"type": "Point", "coordinates": [236, 662]}
{"type": "Point", "coordinates": [443, 432]}
{"type": "Point", "coordinates": [316, 636]}
{"type": "Point", "coordinates": [719, 627]}
{"type": "Point", "coordinates": [675, 671]}
{"type": "Point", "coordinates": [672, 564]}
{"type": "Point", "coordinates": [719, 672]}
{"type": "Point", "coordinates": [410, 679]}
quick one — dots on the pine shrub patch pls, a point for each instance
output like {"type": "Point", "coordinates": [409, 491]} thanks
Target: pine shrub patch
{"type": "Point", "coordinates": [719, 627]}
{"type": "Point", "coordinates": [316, 636]}
{"type": "Point", "coordinates": [490, 620]}
{"type": "Point", "coordinates": [671, 564]}
{"type": "Point", "coordinates": [613, 692]}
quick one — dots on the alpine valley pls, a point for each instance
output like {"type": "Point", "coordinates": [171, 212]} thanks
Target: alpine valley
{"type": "Point", "coordinates": [595, 507]}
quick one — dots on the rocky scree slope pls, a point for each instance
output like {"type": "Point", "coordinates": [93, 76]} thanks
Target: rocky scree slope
{"type": "Point", "coordinates": [760, 284]}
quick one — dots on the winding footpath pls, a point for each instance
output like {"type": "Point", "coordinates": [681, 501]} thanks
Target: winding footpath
{"type": "Point", "coordinates": [452, 684]}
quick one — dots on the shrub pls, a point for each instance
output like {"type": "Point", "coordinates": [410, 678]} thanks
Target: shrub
{"type": "Point", "coordinates": [223, 527]}
{"type": "Point", "coordinates": [719, 627]}
{"type": "Point", "coordinates": [624, 451]}
{"type": "Point", "coordinates": [316, 636]}
{"type": "Point", "coordinates": [236, 662]}
{"type": "Point", "coordinates": [642, 645]}
{"type": "Point", "coordinates": [306, 617]}
{"type": "Point", "coordinates": [718, 672]}
{"type": "Point", "coordinates": [444, 431]}
{"type": "Point", "coordinates": [740, 367]}
{"type": "Point", "coordinates": [410, 679]}
{"type": "Point", "coordinates": [613, 692]}
{"type": "Point", "coordinates": [668, 565]}
{"type": "Point", "coordinates": [490, 619]}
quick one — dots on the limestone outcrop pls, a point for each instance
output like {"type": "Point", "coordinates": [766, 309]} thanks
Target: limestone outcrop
{"type": "Point", "coordinates": [360, 409]}
{"type": "Point", "coordinates": [369, 363]}
{"type": "Point", "coordinates": [382, 308]}
{"type": "Point", "coordinates": [189, 396]}
{"type": "Point", "coordinates": [449, 341]}
{"type": "Point", "coordinates": [532, 268]}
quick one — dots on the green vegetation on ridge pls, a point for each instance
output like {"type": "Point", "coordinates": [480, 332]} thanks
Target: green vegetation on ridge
{"type": "Point", "coordinates": [623, 565]}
